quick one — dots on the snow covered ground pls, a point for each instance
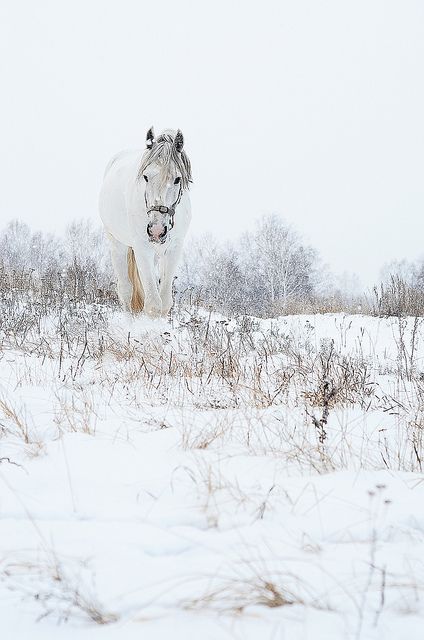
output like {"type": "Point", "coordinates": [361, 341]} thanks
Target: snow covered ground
{"type": "Point", "coordinates": [212, 478]}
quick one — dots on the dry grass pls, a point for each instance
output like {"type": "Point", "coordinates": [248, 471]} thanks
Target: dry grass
{"type": "Point", "coordinates": [62, 591]}
{"type": "Point", "coordinates": [76, 414]}
{"type": "Point", "coordinates": [15, 421]}
{"type": "Point", "coordinates": [259, 392]}
{"type": "Point", "coordinates": [221, 365]}
{"type": "Point", "coordinates": [397, 298]}
{"type": "Point", "coordinates": [15, 429]}
{"type": "Point", "coordinates": [250, 584]}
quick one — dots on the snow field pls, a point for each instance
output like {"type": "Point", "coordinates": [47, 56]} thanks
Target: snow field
{"type": "Point", "coordinates": [230, 478]}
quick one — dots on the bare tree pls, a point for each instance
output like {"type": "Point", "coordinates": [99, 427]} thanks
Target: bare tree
{"type": "Point", "coordinates": [260, 273]}
{"type": "Point", "coordinates": [279, 267]}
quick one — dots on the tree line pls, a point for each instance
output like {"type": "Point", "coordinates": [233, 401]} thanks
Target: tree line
{"type": "Point", "coordinates": [266, 272]}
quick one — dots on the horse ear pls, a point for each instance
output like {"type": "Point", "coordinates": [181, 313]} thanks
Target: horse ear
{"type": "Point", "coordinates": [179, 141]}
{"type": "Point", "coordinates": [150, 138]}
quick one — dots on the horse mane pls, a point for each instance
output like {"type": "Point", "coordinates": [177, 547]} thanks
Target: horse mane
{"type": "Point", "coordinates": [164, 153]}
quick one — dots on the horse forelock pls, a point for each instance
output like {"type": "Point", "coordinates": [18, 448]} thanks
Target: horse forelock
{"type": "Point", "coordinates": [164, 153]}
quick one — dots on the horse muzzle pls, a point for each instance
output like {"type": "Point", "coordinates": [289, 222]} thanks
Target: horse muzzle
{"type": "Point", "coordinates": [157, 232]}
{"type": "Point", "coordinates": [161, 222]}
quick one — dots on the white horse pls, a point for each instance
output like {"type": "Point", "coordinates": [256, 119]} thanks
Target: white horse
{"type": "Point", "coordinates": [145, 208]}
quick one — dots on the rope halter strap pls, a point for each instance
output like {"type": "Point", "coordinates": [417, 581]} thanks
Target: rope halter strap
{"type": "Point", "coordinates": [171, 210]}
{"type": "Point", "coordinates": [163, 209]}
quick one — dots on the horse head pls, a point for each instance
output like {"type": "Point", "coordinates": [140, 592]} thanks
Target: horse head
{"type": "Point", "coordinates": [166, 171]}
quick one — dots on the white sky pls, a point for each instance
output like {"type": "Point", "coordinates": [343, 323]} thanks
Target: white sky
{"type": "Point", "coordinates": [313, 110]}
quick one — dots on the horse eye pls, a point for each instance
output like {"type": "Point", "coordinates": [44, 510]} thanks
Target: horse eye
{"type": "Point", "coordinates": [177, 180]}
{"type": "Point", "coordinates": [146, 178]}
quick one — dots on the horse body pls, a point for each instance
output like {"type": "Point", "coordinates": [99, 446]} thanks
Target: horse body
{"type": "Point", "coordinates": [145, 208]}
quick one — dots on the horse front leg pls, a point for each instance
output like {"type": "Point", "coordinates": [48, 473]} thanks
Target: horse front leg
{"type": "Point", "coordinates": [169, 267]}
{"type": "Point", "coordinates": [145, 259]}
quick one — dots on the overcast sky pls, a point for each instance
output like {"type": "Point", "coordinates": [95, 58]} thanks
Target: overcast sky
{"type": "Point", "coordinates": [312, 110]}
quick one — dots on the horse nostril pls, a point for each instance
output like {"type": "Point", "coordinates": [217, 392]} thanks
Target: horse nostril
{"type": "Point", "coordinates": [164, 232]}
